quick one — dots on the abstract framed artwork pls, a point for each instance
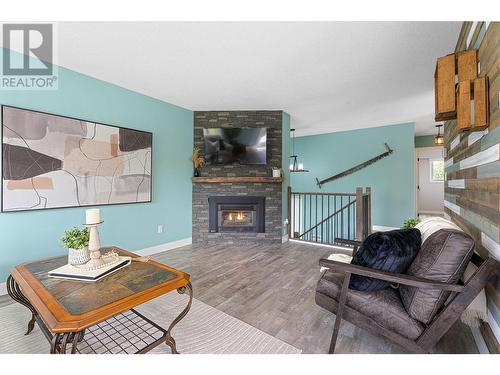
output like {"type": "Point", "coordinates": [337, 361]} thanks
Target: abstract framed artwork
{"type": "Point", "coordinates": [52, 161]}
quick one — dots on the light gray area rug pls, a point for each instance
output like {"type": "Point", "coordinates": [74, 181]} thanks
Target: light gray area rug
{"type": "Point", "coordinates": [205, 330]}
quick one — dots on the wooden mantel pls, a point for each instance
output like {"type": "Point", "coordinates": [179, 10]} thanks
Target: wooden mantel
{"type": "Point", "coordinates": [254, 180]}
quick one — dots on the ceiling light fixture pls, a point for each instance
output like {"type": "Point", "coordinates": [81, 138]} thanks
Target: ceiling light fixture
{"type": "Point", "coordinates": [295, 166]}
{"type": "Point", "coordinates": [439, 139]}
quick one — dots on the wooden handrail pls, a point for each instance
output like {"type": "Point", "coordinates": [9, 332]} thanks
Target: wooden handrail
{"type": "Point", "coordinates": [330, 194]}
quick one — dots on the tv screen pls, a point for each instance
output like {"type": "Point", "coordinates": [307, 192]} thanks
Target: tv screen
{"type": "Point", "coordinates": [238, 145]}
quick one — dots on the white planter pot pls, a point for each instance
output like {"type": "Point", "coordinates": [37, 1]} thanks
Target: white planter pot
{"type": "Point", "coordinates": [78, 256]}
{"type": "Point", "coordinates": [276, 173]}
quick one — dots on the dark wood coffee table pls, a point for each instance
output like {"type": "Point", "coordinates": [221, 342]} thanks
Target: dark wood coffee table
{"type": "Point", "coordinates": [98, 317]}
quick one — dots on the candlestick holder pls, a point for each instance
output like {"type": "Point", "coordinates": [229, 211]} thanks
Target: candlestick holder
{"type": "Point", "coordinates": [94, 246]}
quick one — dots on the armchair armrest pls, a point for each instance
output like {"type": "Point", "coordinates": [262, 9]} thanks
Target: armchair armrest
{"type": "Point", "coordinates": [389, 276]}
{"type": "Point", "coordinates": [349, 242]}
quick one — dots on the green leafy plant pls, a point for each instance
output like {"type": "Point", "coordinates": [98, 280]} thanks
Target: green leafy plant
{"type": "Point", "coordinates": [410, 223]}
{"type": "Point", "coordinates": [75, 238]}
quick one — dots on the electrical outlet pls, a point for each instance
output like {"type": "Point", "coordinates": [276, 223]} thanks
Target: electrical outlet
{"type": "Point", "coordinates": [160, 228]}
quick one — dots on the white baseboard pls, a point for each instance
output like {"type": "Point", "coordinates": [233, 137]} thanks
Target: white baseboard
{"type": "Point", "coordinates": [319, 244]}
{"type": "Point", "coordinates": [147, 251]}
{"type": "Point", "coordinates": [381, 228]}
{"type": "Point", "coordinates": [165, 246]}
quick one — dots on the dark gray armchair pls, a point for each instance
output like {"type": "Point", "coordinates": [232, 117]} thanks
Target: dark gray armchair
{"type": "Point", "coordinates": [422, 309]}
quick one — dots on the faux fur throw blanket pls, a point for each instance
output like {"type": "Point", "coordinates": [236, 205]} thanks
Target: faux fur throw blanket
{"type": "Point", "coordinates": [344, 258]}
{"type": "Point", "coordinates": [477, 311]}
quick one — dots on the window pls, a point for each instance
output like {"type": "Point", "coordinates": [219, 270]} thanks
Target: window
{"type": "Point", "coordinates": [437, 170]}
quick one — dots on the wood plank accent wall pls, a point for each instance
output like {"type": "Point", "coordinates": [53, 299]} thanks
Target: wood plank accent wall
{"type": "Point", "coordinates": [472, 162]}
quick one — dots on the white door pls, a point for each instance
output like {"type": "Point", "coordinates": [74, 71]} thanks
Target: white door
{"type": "Point", "coordinates": [430, 188]}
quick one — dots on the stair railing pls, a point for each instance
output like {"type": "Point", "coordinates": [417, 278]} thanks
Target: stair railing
{"type": "Point", "coordinates": [327, 217]}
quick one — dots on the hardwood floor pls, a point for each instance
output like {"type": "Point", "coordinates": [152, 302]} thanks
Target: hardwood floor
{"type": "Point", "coordinates": [272, 289]}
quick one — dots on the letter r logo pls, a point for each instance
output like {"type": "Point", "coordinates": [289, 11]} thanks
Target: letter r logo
{"type": "Point", "coordinates": [29, 49]}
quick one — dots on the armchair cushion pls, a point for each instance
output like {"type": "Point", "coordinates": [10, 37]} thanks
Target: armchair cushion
{"type": "Point", "coordinates": [391, 251]}
{"type": "Point", "coordinates": [443, 257]}
{"type": "Point", "coordinates": [382, 306]}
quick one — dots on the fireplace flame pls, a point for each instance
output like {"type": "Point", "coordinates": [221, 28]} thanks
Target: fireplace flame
{"type": "Point", "coordinates": [240, 216]}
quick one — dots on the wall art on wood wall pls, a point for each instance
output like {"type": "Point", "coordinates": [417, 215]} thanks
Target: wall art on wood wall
{"type": "Point", "coordinates": [51, 161]}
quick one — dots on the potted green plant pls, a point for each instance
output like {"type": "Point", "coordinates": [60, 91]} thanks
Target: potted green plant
{"type": "Point", "coordinates": [410, 223]}
{"type": "Point", "coordinates": [76, 240]}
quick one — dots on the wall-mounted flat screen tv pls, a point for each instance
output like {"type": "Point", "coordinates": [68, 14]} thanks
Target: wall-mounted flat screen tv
{"type": "Point", "coordinates": [235, 145]}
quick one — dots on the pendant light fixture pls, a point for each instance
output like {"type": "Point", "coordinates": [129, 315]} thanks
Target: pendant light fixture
{"type": "Point", "coordinates": [439, 139]}
{"type": "Point", "coordinates": [295, 166]}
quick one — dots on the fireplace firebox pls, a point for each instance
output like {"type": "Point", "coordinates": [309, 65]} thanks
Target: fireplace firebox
{"type": "Point", "coordinates": [236, 214]}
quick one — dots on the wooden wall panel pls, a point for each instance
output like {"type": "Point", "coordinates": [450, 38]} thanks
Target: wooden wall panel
{"type": "Point", "coordinates": [481, 102]}
{"type": "Point", "coordinates": [473, 202]}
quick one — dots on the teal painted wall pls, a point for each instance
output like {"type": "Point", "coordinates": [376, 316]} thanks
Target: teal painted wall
{"type": "Point", "coordinates": [285, 138]}
{"type": "Point", "coordinates": [425, 141]}
{"type": "Point", "coordinates": [391, 178]}
{"type": "Point", "coordinates": [32, 235]}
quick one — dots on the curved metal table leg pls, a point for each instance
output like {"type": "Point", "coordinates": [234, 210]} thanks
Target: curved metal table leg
{"type": "Point", "coordinates": [170, 340]}
{"type": "Point", "coordinates": [17, 295]}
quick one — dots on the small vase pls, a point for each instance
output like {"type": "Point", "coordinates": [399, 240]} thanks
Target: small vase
{"type": "Point", "coordinates": [78, 256]}
{"type": "Point", "coordinates": [276, 173]}
{"type": "Point", "coordinates": [196, 172]}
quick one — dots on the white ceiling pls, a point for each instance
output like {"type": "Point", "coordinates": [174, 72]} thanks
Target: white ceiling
{"type": "Point", "coordinates": [330, 76]}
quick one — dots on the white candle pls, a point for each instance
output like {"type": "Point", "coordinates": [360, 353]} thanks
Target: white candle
{"type": "Point", "coordinates": [301, 167]}
{"type": "Point", "coordinates": [92, 216]}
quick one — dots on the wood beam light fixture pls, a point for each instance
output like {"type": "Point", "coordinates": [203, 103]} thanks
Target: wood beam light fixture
{"type": "Point", "coordinates": [460, 93]}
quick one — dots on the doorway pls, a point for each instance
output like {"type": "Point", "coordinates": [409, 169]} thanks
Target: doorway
{"type": "Point", "coordinates": [429, 182]}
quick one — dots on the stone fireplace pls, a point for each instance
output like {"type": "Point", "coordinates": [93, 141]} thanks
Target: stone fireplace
{"type": "Point", "coordinates": [236, 214]}
{"type": "Point", "coordinates": [234, 203]}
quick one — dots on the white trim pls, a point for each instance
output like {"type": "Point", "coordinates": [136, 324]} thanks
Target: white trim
{"type": "Point", "coordinates": [381, 228]}
{"type": "Point", "coordinates": [484, 157]}
{"type": "Point", "coordinates": [143, 252]}
{"type": "Point", "coordinates": [165, 246]}
{"type": "Point", "coordinates": [478, 338]}
{"type": "Point", "coordinates": [448, 163]}
{"type": "Point", "coordinates": [320, 244]}
{"type": "Point", "coordinates": [456, 184]}
{"type": "Point", "coordinates": [494, 326]}
{"type": "Point", "coordinates": [476, 136]}
{"type": "Point", "coordinates": [452, 206]}
{"type": "Point", "coordinates": [284, 238]}
{"type": "Point", "coordinates": [491, 245]}
{"type": "Point", "coordinates": [455, 142]}
{"type": "Point", "coordinates": [471, 33]}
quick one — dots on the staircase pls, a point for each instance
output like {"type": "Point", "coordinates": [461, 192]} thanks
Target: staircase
{"type": "Point", "coordinates": [329, 218]}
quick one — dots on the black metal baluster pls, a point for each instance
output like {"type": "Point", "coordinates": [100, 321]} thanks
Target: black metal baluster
{"type": "Point", "coordinates": [310, 215]}
{"type": "Point", "coordinates": [342, 231]}
{"type": "Point", "coordinates": [329, 221]}
{"type": "Point", "coordinates": [349, 219]}
{"type": "Point", "coordinates": [316, 218]}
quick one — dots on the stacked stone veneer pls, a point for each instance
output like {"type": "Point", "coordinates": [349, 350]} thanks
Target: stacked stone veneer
{"type": "Point", "coordinates": [272, 120]}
